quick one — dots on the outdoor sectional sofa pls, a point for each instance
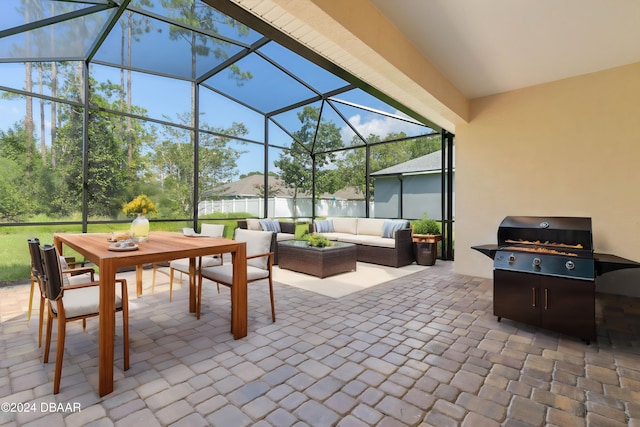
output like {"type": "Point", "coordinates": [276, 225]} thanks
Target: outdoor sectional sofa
{"type": "Point", "coordinates": [378, 241]}
{"type": "Point", "coordinates": [284, 230]}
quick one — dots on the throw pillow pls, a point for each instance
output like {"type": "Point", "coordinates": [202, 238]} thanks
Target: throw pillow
{"type": "Point", "coordinates": [323, 225]}
{"type": "Point", "coordinates": [391, 226]}
{"type": "Point", "coordinates": [270, 225]}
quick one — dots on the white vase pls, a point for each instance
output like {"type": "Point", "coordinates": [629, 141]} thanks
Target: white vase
{"type": "Point", "coordinates": [140, 229]}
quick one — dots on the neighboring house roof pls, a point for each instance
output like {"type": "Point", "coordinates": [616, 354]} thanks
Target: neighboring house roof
{"type": "Point", "coordinates": [250, 186]}
{"type": "Point", "coordinates": [430, 163]}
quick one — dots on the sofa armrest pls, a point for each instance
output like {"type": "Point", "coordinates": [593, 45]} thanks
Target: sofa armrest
{"type": "Point", "coordinates": [288, 227]}
{"type": "Point", "coordinates": [403, 236]}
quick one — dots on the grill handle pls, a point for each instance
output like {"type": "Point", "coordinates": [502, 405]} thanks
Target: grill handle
{"type": "Point", "coordinates": [546, 298]}
{"type": "Point", "coordinates": [533, 297]}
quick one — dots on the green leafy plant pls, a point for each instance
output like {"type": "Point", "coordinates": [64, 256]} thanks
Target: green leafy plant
{"type": "Point", "coordinates": [425, 226]}
{"type": "Point", "coordinates": [318, 241]}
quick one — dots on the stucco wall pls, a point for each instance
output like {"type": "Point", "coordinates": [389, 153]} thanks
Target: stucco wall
{"type": "Point", "coordinates": [566, 148]}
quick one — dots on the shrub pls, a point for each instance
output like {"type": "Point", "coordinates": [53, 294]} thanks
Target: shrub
{"type": "Point", "coordinates": [425, 226]}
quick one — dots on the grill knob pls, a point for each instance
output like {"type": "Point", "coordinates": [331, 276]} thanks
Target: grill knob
{"type": "Point", "coordinates": [512, 259]}
{"type": "Point", "coordinates": [537, 262]}
{"type": "Point", "coordinates": [570, 265]}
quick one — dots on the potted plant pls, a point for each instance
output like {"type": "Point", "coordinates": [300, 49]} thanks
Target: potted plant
{"type": "Point", "coordinates": [426, 235]}
{"type": "Point", "coordinates": [141, 206]}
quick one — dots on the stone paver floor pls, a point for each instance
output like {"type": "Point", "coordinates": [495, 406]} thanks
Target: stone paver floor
{"type": "Point", "coordinates": [424, 350]}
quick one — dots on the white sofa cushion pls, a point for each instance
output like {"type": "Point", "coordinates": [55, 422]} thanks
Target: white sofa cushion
{"type": "Point", "coordinates": [334, 236]}
{"type": "Point", "coordinates": [285, 236]}
{"type": "Point", "coordinates": [383, 242]}
{"type": "Point", "coordinates": [253, 224]}
{"type": "Point", "coordinates": [370, 226]}
{"type": "Point", "coordinates": [345, 225]}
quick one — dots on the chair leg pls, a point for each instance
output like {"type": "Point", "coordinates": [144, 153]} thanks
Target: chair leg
{"type": "Point", "coordinates": [171, 273]}
{"type": "Point", "coordinates": [84, 324]}
{"type": "Point", "coordinates": [33, 283]}
{"type": "Point", "coordinates": [199, 296]}
{"type": "Point", "coordinates": [153, 279]}
{"type": "Point", "coordinates": [41, 321]}
{"type": "Point", "coordinates": [47, 345]}
{"type": "Point", "coordinates": [59, 351]}
{"type": "Point", "coordinates": [273, 308]}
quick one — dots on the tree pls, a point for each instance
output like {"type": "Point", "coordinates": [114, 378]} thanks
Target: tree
{"type": "Point", "coordinates": [312, 148]}
{"type": "Point", "coordinates": [172, 160]}
{"type": "Point", "coordinates": [352, 166]}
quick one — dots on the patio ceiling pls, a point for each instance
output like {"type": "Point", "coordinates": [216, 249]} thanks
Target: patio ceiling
{"type": "Point", "coordinates": [457, 50]}
{"type": "Point", "coordinates": [492, 46]}
{"type": "Point", "coordinates": [247, 63]}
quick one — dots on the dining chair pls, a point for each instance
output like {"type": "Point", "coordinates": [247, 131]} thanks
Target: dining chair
{"type": "Point", "coordinates": [71, 275]}
{"type": "Point", "coordinates": [182, 265]}
{"type": "Point", "coordinates": [74, 302]}
{"type": "Point", "coordinates": [260, 251]}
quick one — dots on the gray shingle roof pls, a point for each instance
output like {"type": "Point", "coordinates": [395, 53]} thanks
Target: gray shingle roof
{"type": "Point", "coordinates": [249, 187]}
{"type": "Point", "coordinates": [430, 163]}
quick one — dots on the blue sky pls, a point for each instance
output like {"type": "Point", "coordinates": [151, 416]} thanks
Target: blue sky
{"type": "Point", "coordinates": [160, 50]}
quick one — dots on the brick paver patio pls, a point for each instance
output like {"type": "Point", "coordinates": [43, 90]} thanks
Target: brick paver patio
{"type": "Point", "coordinates": [424, 350]}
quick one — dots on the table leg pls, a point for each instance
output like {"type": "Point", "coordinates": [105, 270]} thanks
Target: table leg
{"type": "Point", "coordinates": [106, 331]}
{"type": "Point", "coordinates": [239, 300]}
{"type": "Point", "coordinates": [139, 280]}
{"type": "Point", "coordinates": [192, 285]}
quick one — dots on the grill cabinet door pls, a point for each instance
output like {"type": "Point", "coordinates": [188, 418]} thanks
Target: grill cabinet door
{"type": "Point", "coordinates": [568, 306]}
{"type": "Point", "coordinates": [558, 304]}
{"type": "Point", "coordinates": [516, 296]}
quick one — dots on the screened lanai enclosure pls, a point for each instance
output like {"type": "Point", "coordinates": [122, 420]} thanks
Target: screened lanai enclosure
{"type": "Point", "coordinates": [103, 100]}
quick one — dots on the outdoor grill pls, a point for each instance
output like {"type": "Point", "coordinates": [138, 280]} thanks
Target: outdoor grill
{"type": "Point", "coordinates": [545, 270]}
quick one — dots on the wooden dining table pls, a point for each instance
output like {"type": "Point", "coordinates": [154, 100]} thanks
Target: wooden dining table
{"type": "Point", "coordinates": [161, 246]}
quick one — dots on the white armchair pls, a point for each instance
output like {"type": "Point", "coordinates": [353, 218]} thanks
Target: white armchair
{"type": "Point", "coordinates": [260, 252]}
{"type": "Point", "coordinates": [182, 265]}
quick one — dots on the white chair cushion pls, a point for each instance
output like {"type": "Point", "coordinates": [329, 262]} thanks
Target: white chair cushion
{"type": "Point", "coordinates": [258, 242]}
{"type": "Point", "coordinates": [224, 273]}
{"type": "Point", "coordinates": [182, 264]}
{"type": "Point", "coordinates": [212, 230]}
{"type": "Point", "coordinates": [65, 276]}
{"type": "Point", "coordinates": [68, 279]}
{"type": "Point", "coordinates": [80, 278]}
{"type": "Point", "coordinates": [82, 302]}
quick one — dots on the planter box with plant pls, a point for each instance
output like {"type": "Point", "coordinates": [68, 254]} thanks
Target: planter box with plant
{"type": "Point", "coordinates": [426, 235]}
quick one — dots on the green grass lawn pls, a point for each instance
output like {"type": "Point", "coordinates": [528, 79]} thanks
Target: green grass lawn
{"type": "Point", "coordinates": [15, 263]}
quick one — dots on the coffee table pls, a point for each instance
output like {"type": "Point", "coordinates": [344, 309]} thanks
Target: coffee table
{"type": "Point", "coordinates": [296, 255]}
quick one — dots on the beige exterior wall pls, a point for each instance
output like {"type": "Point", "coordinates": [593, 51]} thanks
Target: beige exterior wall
{"type": "Point", "coordinates": [566, 148]}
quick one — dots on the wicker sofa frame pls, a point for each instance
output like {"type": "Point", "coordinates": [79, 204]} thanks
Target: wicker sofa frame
{"type": "Point", "coordinates": [398, 256]}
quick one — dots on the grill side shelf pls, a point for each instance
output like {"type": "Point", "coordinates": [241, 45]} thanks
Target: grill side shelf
{"type": "Point", "coordinates": [606, 263]}
{"type": "Point", "coordinates": [488, 250]}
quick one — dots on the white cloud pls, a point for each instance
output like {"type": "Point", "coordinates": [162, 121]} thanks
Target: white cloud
{"type": "Point", "coordinates": [381, 126]}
